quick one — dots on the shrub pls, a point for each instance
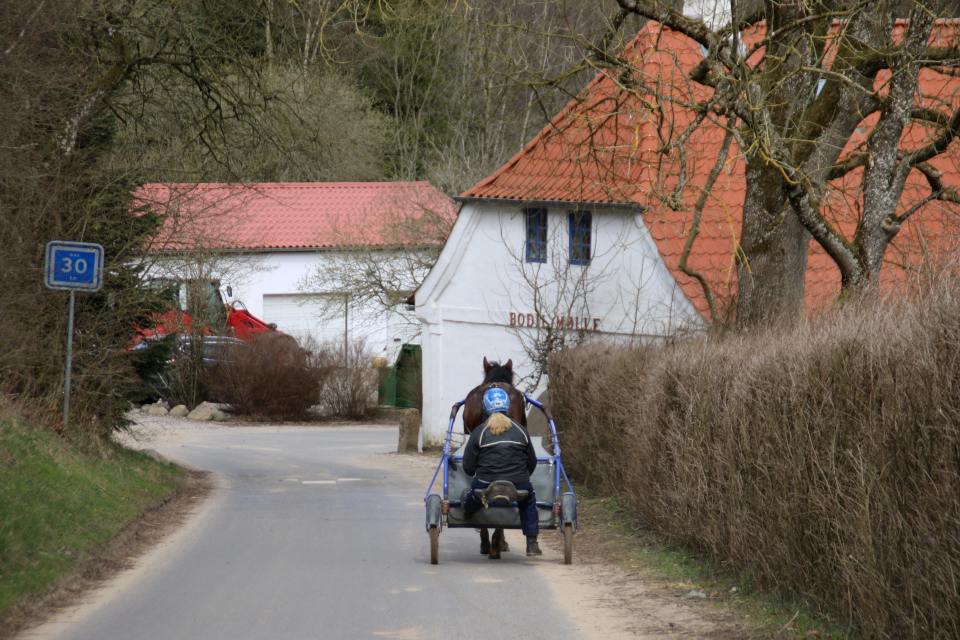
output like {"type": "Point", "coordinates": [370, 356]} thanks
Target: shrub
{"type": "Point", "coordinates": [823, 459]}
{"type": "Point", "coordinates": [351, 389]}
{"type": "Point", "coordinates": [271, 379]}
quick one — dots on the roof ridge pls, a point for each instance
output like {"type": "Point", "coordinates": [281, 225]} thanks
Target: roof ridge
{"type": "Point", "coordinates": [220, 185]}
{"type": "Point", "coordinates": [267, 216]}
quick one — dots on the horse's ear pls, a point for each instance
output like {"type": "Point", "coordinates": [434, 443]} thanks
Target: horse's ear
{"type": "Point", "coordinates": [486, 365]}
{"type": "Point", "coordinates": [509, 364]}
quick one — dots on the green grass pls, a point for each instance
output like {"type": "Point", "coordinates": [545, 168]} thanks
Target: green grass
{"type": "Point", "coordinates": [642, 552]}
{"type": "Point", "coordinates": [59, 502]}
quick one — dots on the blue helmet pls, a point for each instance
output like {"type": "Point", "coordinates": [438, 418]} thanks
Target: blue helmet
{"type": "Point", "coordinates": [496, 399]}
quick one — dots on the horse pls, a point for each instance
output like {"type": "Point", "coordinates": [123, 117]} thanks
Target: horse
{"type": "Point", "coordinates": [494, 375]}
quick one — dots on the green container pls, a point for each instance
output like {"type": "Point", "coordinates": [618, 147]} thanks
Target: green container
{"type": "Point", "coordinates": [402, 386]}
{"type": "Point", "coordinates": [387, 393]}
{"type": "Point", "coordinates": [409, 378]}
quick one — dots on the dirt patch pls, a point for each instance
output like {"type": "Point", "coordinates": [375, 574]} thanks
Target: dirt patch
{"type": "Point", "coordinates": [117, 555]}
{"type": "Point", "coordinates": [632, 605]}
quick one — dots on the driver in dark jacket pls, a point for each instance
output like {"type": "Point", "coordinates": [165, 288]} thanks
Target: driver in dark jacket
{"type": "Point", "coordinates": [500, 449]}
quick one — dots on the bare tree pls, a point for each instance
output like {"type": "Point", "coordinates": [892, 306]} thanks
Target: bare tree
{"type": "Point", "coordinates": [68, 70]}
{"type": "Point", "coordinates": [314, 128]}
{"type": "Point", "coordinates": [556, 293]}
{"type": "Point", "coordinates": [377, 267]}
{"type": "Point", "coordinates": [830, 106]}
{"type": "Point", "coordinates": [563, 297]}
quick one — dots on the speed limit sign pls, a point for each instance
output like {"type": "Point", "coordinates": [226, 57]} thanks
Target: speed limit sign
{"type": "Point", "coordinates": [74, 266]}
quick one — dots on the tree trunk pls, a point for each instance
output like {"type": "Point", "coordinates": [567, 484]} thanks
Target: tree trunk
{"type": "Point", "coordinates": [772, 262]}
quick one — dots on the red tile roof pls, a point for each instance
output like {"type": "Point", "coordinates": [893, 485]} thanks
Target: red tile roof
{"type": "Point", "coordinates": [603, 148]}
{"type": "Point", "coordinates": [297, 215]}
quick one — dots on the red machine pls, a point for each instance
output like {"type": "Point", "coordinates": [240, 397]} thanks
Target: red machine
{"type": "Point", "coordinates": [239, 322]}
{"type": "Point", "coordinates": [245, 325]}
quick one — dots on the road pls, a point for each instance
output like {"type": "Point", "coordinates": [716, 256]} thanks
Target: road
{"type": "Point", "coordinates": [312, 535]}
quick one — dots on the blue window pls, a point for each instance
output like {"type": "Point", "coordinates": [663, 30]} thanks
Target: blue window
{"type": "Point", "coordinates": [536, 235]}
{"type": "Point", "coordinates": [580, 237]}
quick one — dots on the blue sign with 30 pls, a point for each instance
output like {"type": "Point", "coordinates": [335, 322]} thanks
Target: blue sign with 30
{"type": "Point", "coordinates": [74, 266]}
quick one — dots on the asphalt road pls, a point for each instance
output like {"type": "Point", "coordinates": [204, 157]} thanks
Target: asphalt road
{"type": "Point", "coordinates": [306, 537]}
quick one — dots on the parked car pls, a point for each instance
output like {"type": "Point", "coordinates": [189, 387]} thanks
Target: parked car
{"type": "Point", "coordinates": [181, 379]}
{"type": "Point", "coordinates": [217, 350]}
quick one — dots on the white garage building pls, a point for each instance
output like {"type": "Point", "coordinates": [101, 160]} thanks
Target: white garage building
{"type": "Point", "coordinates": [261, 240]}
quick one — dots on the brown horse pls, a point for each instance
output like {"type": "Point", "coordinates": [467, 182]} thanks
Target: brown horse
{"type": "Point", "coordinates": [494, 375]}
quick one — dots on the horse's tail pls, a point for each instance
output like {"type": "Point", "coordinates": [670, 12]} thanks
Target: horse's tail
{"type": "Point", "coordinates": [499, 423]}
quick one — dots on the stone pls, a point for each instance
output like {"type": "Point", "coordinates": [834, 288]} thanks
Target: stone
{"type": "Point", "coordinates": [409, 431]}
{"type": "Point", "coordinates": [219, 416]}
{"type": "Point", "coordinates": [179, 411]}
{"type": "Point", "coordinates": [204, 411]}
{"type": "Point", "coordinates": [156, 410]}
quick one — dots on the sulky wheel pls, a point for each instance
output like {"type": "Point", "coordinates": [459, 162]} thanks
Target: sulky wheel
{"type": "Point", "coordinates": [434, 544]}
{"type": "Point", "coordinates": [568, 543]}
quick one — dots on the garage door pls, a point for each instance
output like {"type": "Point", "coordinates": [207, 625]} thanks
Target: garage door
{"type": "Point", "coordinates": [304, 315]}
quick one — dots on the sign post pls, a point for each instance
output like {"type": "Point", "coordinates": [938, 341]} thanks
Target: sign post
{"type": "Point", "coordinates": [72, 266]}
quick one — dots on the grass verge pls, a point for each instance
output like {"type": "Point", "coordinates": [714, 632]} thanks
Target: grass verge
{"type": "Point", "coordinates": [621, 537]}
{"type": "Point", "coordinates": [60, 502]}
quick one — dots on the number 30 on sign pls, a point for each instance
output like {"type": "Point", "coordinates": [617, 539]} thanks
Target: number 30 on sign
{"type": "Point", "coordinates": [74, 266]}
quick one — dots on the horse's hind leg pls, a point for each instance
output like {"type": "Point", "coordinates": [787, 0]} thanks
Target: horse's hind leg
{"type": "Point", "coordinates": [484, 540]}
{"type": "Point", "coordinates": [495, 544]}
{"type": "Point", "coordinates": [503, 541]}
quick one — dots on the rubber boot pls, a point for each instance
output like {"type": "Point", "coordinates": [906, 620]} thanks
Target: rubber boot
{"type": "Point", "coordinates": [533, 549]}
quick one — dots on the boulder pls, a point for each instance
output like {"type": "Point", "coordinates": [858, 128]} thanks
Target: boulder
{"type": "Point", "coordinates": [537, 424]}
{"type": "Point", "coordinates": [409, 431]}
{"type": "Point", "coordinates": [219, 416]}
{"type": "Point", "coordinates": [179, 411]}
{"type": "Point", "coordinates": [204, 411]}
{"type": "Point", "coordinates": [157, 410]}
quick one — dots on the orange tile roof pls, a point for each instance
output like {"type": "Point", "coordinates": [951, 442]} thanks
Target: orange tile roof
{"type": "Point", "coordinates": [304, 215]}
{"type": "Point", "coordinates": [603, 148]}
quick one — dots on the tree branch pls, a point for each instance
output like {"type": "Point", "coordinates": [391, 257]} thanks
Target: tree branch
{"type": "Point", "coordinates": [666, 15]}
{"type": "Point", "coordinates": [851, 162]}
{"type": "Point", "coordinates": [698, 213]}
{"type": "Point", "coordinates": [938, 146]}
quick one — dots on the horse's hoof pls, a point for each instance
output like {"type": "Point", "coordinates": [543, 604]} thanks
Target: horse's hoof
{"type": "Point", "coordinates": [484, 548]}
{"type": "Point", "coordinates": [497, 543]}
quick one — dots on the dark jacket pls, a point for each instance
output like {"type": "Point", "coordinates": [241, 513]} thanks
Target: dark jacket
{"type": "Point", "coordinates": [508, 456]}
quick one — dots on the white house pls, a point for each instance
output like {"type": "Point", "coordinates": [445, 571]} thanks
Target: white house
{"type": "Point", "coordinates": [564, 241]}
{"type": "Point", "coordinates": [513, 275]}
{"type": "Point", "coordinates": [263, 242]}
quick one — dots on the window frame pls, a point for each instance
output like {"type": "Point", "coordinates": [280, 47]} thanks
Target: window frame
{"type": "Point", "coordinates": [576, 231]}
{"type": "Point", "coordinates": [535, 249]}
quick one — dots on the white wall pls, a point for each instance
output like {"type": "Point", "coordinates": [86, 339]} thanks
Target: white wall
{"type": "Point", "coordinates": [273, 277]}
{"type": "Point", "coordinates": [481, 285]}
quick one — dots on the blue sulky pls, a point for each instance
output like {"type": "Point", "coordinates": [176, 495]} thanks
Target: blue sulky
{"type": "Point", "coordinates": [556, 509]}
